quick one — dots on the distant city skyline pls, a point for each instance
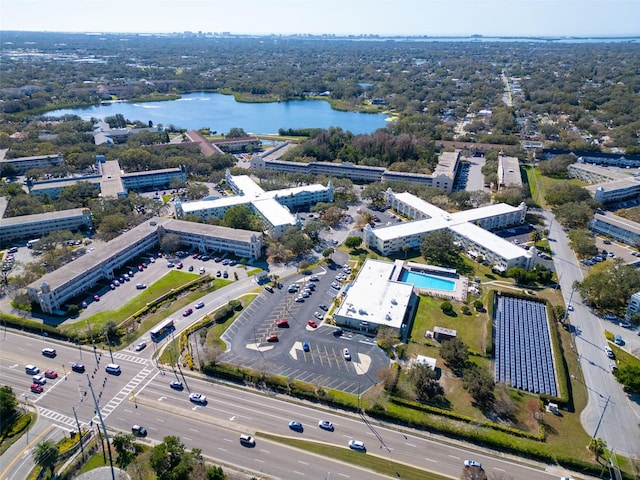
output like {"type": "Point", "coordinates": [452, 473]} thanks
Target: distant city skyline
{"type": "Point", "coordinates": [516, 18]}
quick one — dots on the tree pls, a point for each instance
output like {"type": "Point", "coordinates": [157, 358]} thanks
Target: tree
{"type": "Point", "coordinates": [446, 307]}
{"type": "Point", "coordinates": [503, 405]}
{"type": "Point", "coordinates": [170, 460]}
{"type": "Point", "coordinates": [196, 191]}
{"type": "Point", "coordinates": [353, 242]}
{"type": "Point", "coordinates": [238, 217]}
{"type": "Point", "coordinates": [629, 376]}
{"type": "Point", "coordinates": [8, 402]}
{"type": "Point", "coordinates": [479, 383]}
{"type": "Point", "coordinates": [236, 133]}
{"type": "Point", "coordinates": [215, 473]}
{"type": "Point", "coordinates": [609, 285]}
{"type": "Point", "coordinates": [455, 354]}
{"type": "Point", "coordinates": [111, 225]}
{"type": "Point", "coordinates": [535, 236]}
{"type": "Point", "coordinates": [564, 192]}
{"type": "Point", "coordinates": [170, 243]}
{"type": "Point", "coordinates": [424, 380]}
{"type": "Point", "coordinates": [598, 446]}
{"type": "Point", "coordinates": [123, 443]}
{"type": "Point", "coordinates": [438, 248]}
{"type": "Point", "coordinates": [327, 252]}
{"type": "Point", "coordinates": [303, 265]}
{"type": "Point", "coordinates": [46, 455]}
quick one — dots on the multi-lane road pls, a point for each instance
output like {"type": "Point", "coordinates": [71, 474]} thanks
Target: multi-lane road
{"type": "Point", "coordinates": [610, 414]}
{"type": "Point", "coordinates": [141, 395]}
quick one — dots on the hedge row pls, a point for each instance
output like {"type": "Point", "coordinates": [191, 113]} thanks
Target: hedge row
{"type": "Point", "coordinates": [409, 404]}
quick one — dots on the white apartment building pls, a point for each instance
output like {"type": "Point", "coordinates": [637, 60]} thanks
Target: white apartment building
{"type": "Point", "coordinates": [54, 289]}
{"type": "Point", "coordinates": [26, 227]}
{"type": "Point", "coordinates": [22, 164]}
{"type": "Point", "coordinates": [272, 206]}
{"type": "Point", "coordinates": [442, 177]}
{"type": "Point", "coordinates": [607, 185]}
{"type": "Point", "coordinates": [470, 228]}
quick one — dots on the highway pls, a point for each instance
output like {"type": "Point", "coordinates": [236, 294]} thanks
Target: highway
{"type": "Point", "coordinates": [142, 395]}
{"type": "Point", "coordinates": [609, 414]}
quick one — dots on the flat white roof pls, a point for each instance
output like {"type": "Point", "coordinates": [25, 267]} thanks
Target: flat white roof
{"type": "Point", "coordinates": [490, 241]}
{"type": "Point", "coordinates": [447, 163]}
{"type": "Point", "coordinates": [276, 214]}
{"type": "Point", "coordinates": [374, 298]}
{"type": "Point", "coordinates": [222, 202]}
{"type": "Point", "coordinates": [405, 229]}
{"type": "Point", "coordinates": [421, 205]}
{"type": "Point", "coordinates": [285, 192]}
{"type": "Point", "coordinates": [483, 212]}
{"type": "Point", "coordinates": [248, 187]}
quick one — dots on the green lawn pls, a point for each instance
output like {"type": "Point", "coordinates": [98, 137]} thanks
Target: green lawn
{"type": "Point", "coordinates": [173, 279]}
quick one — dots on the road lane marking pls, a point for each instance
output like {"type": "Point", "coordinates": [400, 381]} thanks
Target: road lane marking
{"type": "Point", "coordinates": [193, 430]}
{"type": "Point", "coordinates": [410, 445]}
{"type": "Point", "coordinates": [453, 456]}
{"type": "Point", "coordinates": [430, 460]}
{"type": "Point", "coordinates": [25, 450]}
{"type": "Point", "coordinates": [499, 469]}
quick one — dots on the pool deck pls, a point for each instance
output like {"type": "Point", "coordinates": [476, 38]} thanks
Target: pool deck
{"type": "Point", "coordinates": [459, 293]}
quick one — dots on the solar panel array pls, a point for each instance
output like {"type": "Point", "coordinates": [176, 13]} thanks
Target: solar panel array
{"type": "Point", "coordinates": [524, 356]}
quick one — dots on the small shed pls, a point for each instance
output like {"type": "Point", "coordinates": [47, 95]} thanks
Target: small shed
{"type": "Point", "coordinates": [428, 361]}
{"type": "Point", "coordinates": [441, 333]}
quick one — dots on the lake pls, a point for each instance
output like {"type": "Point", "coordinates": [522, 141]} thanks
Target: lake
{"type": "Point", "coordinates": [221, 113]}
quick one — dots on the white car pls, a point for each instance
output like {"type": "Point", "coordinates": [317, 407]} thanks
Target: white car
{"type": "Point", "coordinates": [346, 354]}
{"type": "Point", "coordinates": [472, 463]}
{"type": "Point", "coordinates": [357, 445]}
{"type": "Point", "coordinates": [198, 398]}
{"type": "Point", "coordinates": [141, 346]}
{"type": "Point", "coordinates": [570, 307]}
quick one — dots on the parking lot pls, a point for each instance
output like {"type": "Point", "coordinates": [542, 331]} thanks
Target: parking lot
{"type": "Point", "coordinates": [324, 363]}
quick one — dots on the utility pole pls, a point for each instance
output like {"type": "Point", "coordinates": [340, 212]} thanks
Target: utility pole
{"type": "Point", "coordinates": [104, 427]}
{"type": "Point", "coordinates": [79, 431]}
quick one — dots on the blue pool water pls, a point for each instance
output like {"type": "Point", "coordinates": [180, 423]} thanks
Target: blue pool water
{"type": "Point", "coordinates": [422, 280]}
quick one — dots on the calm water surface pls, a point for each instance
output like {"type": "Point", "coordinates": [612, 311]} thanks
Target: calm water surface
{"type": "Point", "coordinates": [422, 280]}
{"type": "Point", "coordinates": [221, 113]}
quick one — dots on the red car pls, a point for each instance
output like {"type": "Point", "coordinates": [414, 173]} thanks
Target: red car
{"type": "Point", "coordinates": [51, 374]}
{"type": "Point", "coordinates": [179, 266]}
{"type": "Point", "coordinates": [187, 312]}
{"type": "Point", "coordinates": [196, 256]}
{"type": "Point", "coordinates": [312, 324]}
{"type": "Point", "coordinates": [36, 388]}
{"type": "Point", "coordinates": [96, 298]}
{"type": "Point", "coordinates": [282, 323]}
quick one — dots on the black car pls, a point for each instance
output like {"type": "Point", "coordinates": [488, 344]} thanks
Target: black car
{"type": "Point", "coordinates": [77, 367]}
{"type": "Point", "coordinates": [322, 306]}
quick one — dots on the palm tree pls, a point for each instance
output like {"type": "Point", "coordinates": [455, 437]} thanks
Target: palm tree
{"type": "Point", "coordinates": [598, 446]}
{"type": "Point", "coordinates": [46, 455]}
{"type": "Point", "coordinates": [405, 249]}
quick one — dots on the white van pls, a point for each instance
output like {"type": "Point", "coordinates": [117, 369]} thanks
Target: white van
{"type": "Point", "coordinates": [113, 369]}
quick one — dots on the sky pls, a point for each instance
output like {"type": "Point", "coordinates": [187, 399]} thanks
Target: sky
{"type": "Point", "coordinates": [339, 17]}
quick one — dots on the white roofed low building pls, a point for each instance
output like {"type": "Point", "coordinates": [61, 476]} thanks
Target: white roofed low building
{"type": "Point", "coordinates": [375, 299]}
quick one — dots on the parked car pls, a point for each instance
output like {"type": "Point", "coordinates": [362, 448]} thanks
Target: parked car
{"type": "Point", "coordinates": [625, 324]}
{"type": "Point", "coordinates": [346, 354]}
{"type": "Point", "coordinates": [299, 299]}
{"type": "Point", "coordinates": [272, 338]}
{"type": "Point", "coordinates": [96, 298]}
{"type": "Point", "coordinates": [176, 385]}
{"type": "Point", "coordinates": [357, 445]}
{"type": "Point", "coordinates": [282, 323]}
{"type": "Point", "coordinates": [305, 346]}
{"type": "Point", "coordinates": [617, 340]}
{"type": "Point", "coordinates": [201, 270]}
{"type": "Point", "coordinates": [269, 288]}
{"type": "Point", "coordinates": [322, 306]}
{"type": "Point", "coordinates": [318, 315]}
{"type": "Point", "coordinates": [312, 324]}
{"type": "Point", "coordinates": [191, 268]}
{"type": "Point", "coordinates": [198, 398]}
{"type": "Point", "coordinates": [337, 332]}
{"type": "Point", "coordinates": [326, 425]}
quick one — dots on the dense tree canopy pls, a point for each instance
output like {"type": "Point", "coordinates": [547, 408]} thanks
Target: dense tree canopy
{"type": "Point", "coordinates": [609, 285]}
{"type": "Point", "coordinates": [438, 248]}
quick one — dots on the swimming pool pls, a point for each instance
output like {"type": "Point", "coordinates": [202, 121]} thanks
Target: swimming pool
{"type": "Point", "coordinates": [430, 282]}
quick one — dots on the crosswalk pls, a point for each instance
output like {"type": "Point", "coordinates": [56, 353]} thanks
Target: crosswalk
{"type": "Point", "coordinates": [65, 420]}
{"type": "Point", "coordinates": [130, 358]}
{"type": "Point", "coordinates": [124, 393]}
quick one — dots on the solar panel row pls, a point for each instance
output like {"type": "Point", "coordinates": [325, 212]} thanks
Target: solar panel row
{"type": "Point", "coordinates": [524, 356]}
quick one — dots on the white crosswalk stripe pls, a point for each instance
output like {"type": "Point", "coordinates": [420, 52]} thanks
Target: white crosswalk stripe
{"type": "Point", "coordinates": [59, 417]}
{"type": "Point", "coordinates": [130, 358]}
{"type": "Point", "coordinates": [124, 393]}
